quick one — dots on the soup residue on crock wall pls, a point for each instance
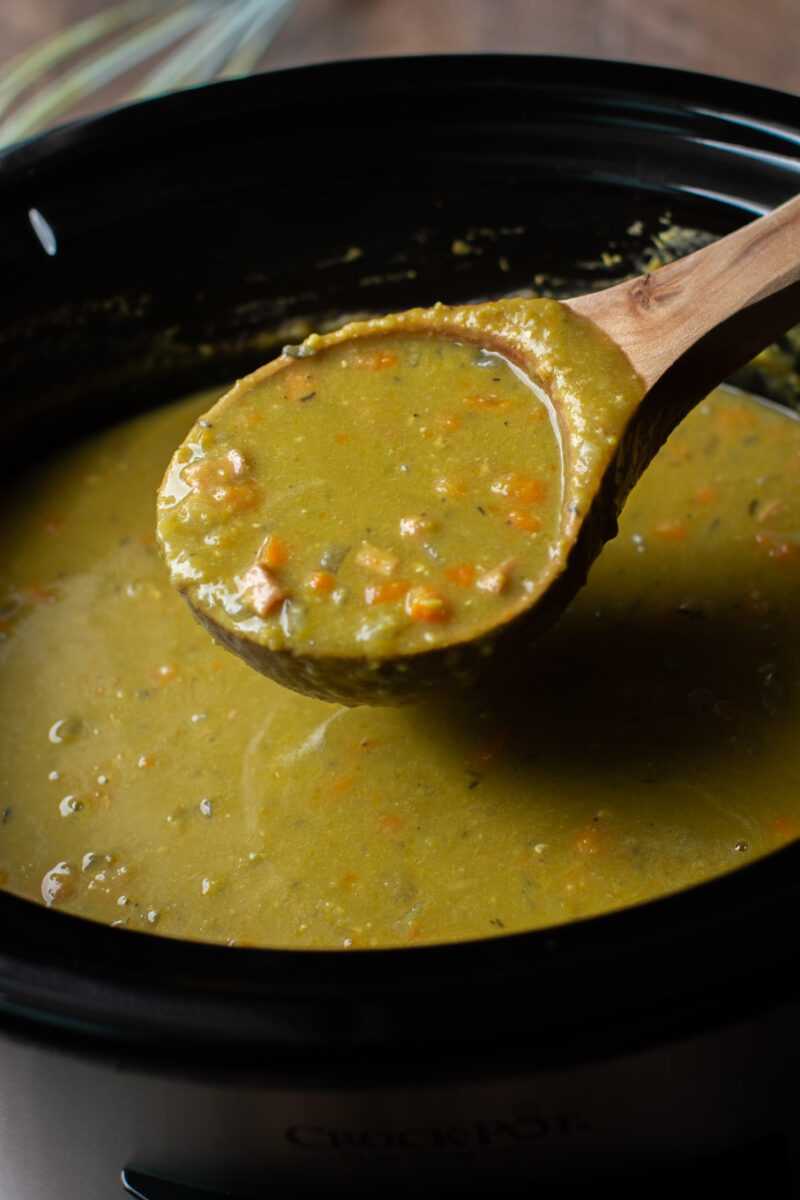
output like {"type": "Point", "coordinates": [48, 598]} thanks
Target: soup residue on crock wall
{"type": "Point", "coordinates": [151, 780]}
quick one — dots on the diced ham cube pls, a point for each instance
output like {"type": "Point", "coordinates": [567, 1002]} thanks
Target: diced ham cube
{"type": "Point", "coordinates": [382, 562]}
{"type": "Point", "coordinates": [262, 589]}
{"type": "Point", "coordinates": [208, 473]}
{"type": "Point", "coordinates": [497, 580]}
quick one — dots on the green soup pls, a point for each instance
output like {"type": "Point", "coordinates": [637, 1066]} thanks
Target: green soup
{"type": "Point", "coordinates": [151, 780]}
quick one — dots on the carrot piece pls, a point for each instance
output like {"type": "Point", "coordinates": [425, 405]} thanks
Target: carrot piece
{"type": "Point", "coordinates": [591, 839]}
{"type": "Point", "coordinates": [273, 553]}
{"type": "Point", "coordinates": [237, 497]}
{"type": "Point", "coordinates": [453, 489]}
{"type": "Point", "coordinates": [524, 488]}
{"type": "Point", "coordinates": [530, 491]}
{"type": "Point", "coordinates": [782, 549]}
{"type": "Point", "coordinates": [671, 530]}
{"type": "Point", "coordinates": [424, 603]}
{"type": "Point", "coordinates": [525, 521]}
{"type": "Point", "coordinates": [462, 576]}
{"type": "Point", "coordinates": [485, 403]}
{"type": "Point", "coordinates": [385, 593]}
{"type": "Point", "coordinates": [784, 828]}
{"type": "Point", "coordinates": [382, 562]}
{"type": "Point", "coordinates": [390, 823]}
{"type": "Point", "coordinates": [321, 581]}
{"type": "Point", "coordinates": [342, 784]}
{"type": "Point", "coordinates": [372, 360]}
{"type": "Point", "coordinates": [707, 494]}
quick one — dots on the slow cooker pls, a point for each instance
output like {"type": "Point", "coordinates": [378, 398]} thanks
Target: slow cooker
{"type": "Point", "coordinates": [171, 244]}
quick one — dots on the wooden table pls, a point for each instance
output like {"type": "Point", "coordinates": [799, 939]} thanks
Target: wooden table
{"type": "Point", "coordinates": [737, 38]}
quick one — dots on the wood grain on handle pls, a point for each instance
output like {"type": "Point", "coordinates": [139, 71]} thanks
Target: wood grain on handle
{"type": "Point", "coordinates": [752, 274]}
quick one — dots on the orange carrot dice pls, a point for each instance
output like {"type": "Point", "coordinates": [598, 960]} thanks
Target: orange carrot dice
{"type": "Point", "coordinates": [524, 488]}
{"type": "Point", "coordinates": [524, 521]}
{"type": "Point", "coordinates": [273, 553]}
{"type": "Point", "coordinates": [485, 403]}
{"type": "Point", "coordinates": [784, 828]}
{"type": "Point", "coordinates": [462, 576]}
{"type": "Point", "coordinates": [385, 593]}
{"type": "Point", "coordinates": [452, 489]}
{"type": "Point", "coordinates": [784, 549]}
{"type": "Point", "coordinates": [591, 839]}
{"type": "Point", "coordinates": [424, 603]}
{"type": "Point", "coordinates": [390, 823]}
{"type": "Point", "coordinates": [671, 530]}
{"type": "Point", "coordinates": [321, 581]}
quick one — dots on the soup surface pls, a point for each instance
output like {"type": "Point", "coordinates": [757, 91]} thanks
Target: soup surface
{"type": "Point", "coordinates": [455, 496]}
{"type": "Point", "coordinates": [150, 779]}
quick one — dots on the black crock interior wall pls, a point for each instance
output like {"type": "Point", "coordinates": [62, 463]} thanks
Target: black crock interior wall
{"type": "Point", "coordinates": [186, 229]}
{"type": "Point", "coordinates": [200, 221]}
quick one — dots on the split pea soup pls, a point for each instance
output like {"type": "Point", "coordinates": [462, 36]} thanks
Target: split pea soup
{"type": "Point", "coordinates": [150, 780]}
{"type": "Point", "coordinates": [383, 495]}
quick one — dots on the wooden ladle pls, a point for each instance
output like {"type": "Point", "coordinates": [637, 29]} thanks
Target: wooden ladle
{"type": "Point", "coordinates": [684, 328]}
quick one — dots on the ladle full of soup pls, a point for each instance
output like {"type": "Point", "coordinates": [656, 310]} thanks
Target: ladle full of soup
{"type": "Point", "coordinates": [402, 506]}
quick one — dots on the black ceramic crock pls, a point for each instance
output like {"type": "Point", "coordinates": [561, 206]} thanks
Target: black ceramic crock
{"type": "Point", "coordinates": [152, 249]}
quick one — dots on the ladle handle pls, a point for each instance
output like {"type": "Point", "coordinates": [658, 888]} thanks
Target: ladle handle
{"type": "Point", "coordinates": [748, 282]}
